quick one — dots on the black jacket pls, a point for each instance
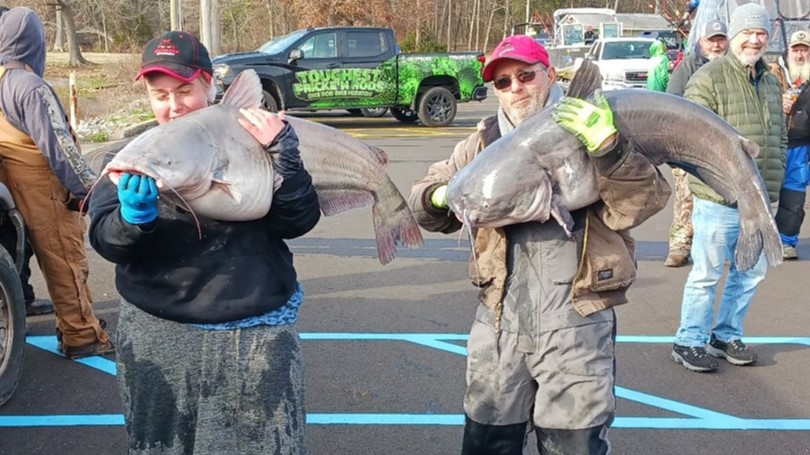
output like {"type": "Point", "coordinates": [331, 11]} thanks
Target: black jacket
{"type": "Point", "coordinates": [799, 119]}
{"type": "Point", "coordinates": [680, 76]}
{"type": "Point", "coordinates": [236, 270]}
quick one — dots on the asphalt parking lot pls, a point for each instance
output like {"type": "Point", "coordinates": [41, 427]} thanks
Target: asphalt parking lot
{"type": "Point", "coordinates": [384, 346]}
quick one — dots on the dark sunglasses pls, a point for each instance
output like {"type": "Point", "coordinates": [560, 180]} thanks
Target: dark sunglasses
{"type": "Point", "coordinates": [524, 77]}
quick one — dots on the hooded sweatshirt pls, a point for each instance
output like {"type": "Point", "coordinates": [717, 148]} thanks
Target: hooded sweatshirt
{"type": "Point", "coordinates": [658, 75]}
{"type": "Point", "coordinates": [29, 105]}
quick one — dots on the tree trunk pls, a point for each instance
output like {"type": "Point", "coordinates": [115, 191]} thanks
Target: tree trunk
{"type": "Point", "coordinates": [205, 23]}
{"type": "Point", "coordinates": [59, 42]}
{"type": "Point", "coordinates": [75, 57]}
{"type": "Point", "coordinates": [175, 14]}
{"type": "Point", "coordinates": [449, 23]}
{"type": "Point", "coordinates": [216, 29]}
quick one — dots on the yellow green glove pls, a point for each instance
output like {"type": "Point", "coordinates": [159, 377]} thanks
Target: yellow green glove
{"type": "Point", "coordinates": [438, 199]}
{"type": "Point", "coordinates": [591, 124]}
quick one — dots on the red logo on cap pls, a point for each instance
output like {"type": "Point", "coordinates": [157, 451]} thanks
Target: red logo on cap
{"type": "Point", "coordinates": [166, 47]}
{"type": "Point", "coordinates": [506, 48]}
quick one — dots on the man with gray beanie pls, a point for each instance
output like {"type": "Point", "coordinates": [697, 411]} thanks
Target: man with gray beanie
{"type": "Point", "coordinates": [740, 88]}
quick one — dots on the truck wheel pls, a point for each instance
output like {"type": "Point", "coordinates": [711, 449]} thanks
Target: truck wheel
{"type": "Point", "coordinates": [437, 107]}
{"type": "Point", "coordinates": [12, 327]}
{"type": "Point", "coordinates": [374, 111]}
{"type": "Point", "coordinates": [404, 115]}
{"type": "Point", "coordinates": [268, 102]}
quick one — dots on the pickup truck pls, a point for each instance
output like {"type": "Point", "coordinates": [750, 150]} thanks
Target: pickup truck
{"type": "Point", "coordinates": [359, 69]}
{"type": "Point", "coordinates": [623, 62]}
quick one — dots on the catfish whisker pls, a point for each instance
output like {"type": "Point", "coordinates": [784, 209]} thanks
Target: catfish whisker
{"type": "Point", "coordinates": [186, 205]}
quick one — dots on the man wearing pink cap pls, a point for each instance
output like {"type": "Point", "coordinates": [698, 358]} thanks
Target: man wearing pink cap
{"type": "Point", "coordinates": [541, 348]}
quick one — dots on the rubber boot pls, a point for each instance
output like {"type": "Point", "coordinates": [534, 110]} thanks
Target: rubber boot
{"type": "Point", "coordinates": [480, 439]}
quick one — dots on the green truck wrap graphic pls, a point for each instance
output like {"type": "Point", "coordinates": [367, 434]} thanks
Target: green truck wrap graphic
{"type": "Point", "coordinates": [359, 69]}
{"type": "Point", "coordinates": [339, 83]}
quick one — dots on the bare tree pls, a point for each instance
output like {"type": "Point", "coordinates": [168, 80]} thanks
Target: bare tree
{"type": "Point", "coordinates": [75, 57]}
{"type": "Point", "coordinates": [58, 42]}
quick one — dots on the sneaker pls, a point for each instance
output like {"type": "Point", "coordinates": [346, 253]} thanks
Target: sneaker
{"type": "Point", "coordinates": [87, 350]}
{"type": "Point", "coordinates": [735, 351]}
{"type": "Point", "coordinates": [38, 307]}
{"type": "Point", "coordinates": [693, 358]}
{"type": "Point", "coordinates": [676, 259]}
{"type": "Point", "coordinates": [789, 253]}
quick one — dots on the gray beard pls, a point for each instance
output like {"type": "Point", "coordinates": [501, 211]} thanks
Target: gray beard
{"type": "Point", "coordinates": [713, 56]}
{"type": "Point", "coordinates": [800, 73]}
{"type": "Point", "coordinates": [750, 60]}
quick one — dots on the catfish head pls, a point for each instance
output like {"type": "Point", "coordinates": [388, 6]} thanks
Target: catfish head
{"type": "Point", "coordinates": [180, 155]}
{"type": "Point", "coordinates": [535, 172]}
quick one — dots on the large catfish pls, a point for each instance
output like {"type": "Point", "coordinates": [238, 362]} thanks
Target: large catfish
{"type": "Point", "coordinates": [539, 170]}
{"type": "Point", "coordinates": [206, 162]}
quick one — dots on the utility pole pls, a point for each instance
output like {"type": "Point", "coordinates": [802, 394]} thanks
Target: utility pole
{"type": "Point", "coordinates": [210, 26]}
{"type": "Point", "coordinates": [528, 3]}
{"type": "Point", "coordinates": [175, 11]}
{"type": "Point", "coordinates": [216, 29]}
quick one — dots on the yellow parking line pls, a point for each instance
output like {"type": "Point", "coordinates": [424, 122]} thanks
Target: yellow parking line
{"type": "Point", "coordinates": [410, 132]}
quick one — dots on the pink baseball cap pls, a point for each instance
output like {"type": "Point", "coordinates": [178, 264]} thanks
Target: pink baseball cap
{"type": "Point", "coordinates": [522, 48]}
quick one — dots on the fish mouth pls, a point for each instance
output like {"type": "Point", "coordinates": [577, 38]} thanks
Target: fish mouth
{"type": "Point", "coordinates": [491, 215]}
{"type": "Point", "coordinates": [115, 175]}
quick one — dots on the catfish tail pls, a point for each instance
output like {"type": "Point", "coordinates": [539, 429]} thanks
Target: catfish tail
{"type": "Point", "coordinates": [758, 233]}
{"type": "Point", "coordinates": [393, 223]}
{"type": "Point", "coordinates": [586, 81]}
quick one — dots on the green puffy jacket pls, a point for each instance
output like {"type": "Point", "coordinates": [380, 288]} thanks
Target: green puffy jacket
{"type": "Point", "coordinates": [658, 74]}
{"type": "Point", "coordinates": [753, 106]}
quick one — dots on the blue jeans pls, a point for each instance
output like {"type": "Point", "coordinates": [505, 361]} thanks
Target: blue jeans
{"type": "Point", "coordinates": [716, 231]}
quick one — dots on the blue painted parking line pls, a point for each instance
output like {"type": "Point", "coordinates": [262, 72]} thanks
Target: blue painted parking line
{"type": "Point", "coordinates": [650, 423]}
{"type": "Point", "coordinates": [698, 418]}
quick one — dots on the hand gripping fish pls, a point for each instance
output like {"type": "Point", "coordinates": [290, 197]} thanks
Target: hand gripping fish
{"type": "Point", "coordinates": [539, 170]}
{"type": "Point", "coordinates": [207, 163]}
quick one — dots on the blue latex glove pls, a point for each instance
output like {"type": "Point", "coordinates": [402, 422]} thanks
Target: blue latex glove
{"type": "Point", "coordinates": [138, 195]}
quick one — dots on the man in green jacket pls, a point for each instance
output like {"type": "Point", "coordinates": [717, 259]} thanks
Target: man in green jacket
{"type": "Point", "coordinates": [658, 75]}
{"type": "Point", "coordinates": [740, 88]}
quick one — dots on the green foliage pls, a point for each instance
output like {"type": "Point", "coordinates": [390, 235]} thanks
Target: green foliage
{"type": "Point", "coordinates": [428, 43]}
{"type": "Point", "coordinates": [99, 136]}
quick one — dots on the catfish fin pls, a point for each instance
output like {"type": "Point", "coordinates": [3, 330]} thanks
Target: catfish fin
{"type": "Point", "coordinates": [228, 189]}
{"type": "Point", "coordinates": [586, 80]}
{"type": "Point", "coordinates": [245, 91]}
{"type": "Point", "coordinates": [563, 217]}
{"type": "Point", "coordinates": [334, 201]}
{"type": "Point", "coordinates": [750, 147]}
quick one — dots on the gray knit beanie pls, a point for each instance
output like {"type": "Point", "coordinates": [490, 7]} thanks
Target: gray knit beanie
{"type": "Point", "coordinates": [749, 16]}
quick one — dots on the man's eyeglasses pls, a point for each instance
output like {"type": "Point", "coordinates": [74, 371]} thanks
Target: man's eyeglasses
{"type": "Point", "coordinates": [524, 77]}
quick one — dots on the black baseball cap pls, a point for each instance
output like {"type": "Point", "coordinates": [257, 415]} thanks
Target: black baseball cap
{"type": "Point", "coordinates": [178, 54]}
